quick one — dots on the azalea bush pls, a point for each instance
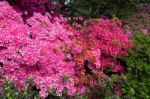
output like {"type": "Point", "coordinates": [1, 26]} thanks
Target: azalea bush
{"type": "Point", "coordinates": [43, 56]}
{"type": "Point", "coordinates": [33, 50]}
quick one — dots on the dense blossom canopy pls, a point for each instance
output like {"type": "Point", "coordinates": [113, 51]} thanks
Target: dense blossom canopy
{"type": "Point", "coordinates": [53, 53]}
{"type": "Point", "coordinates": [97, 43]}
{"type": "Point", "coordinates": [37, 50]}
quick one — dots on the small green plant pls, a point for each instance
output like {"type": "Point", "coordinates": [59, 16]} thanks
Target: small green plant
{"type": "Point", "coordinates": [10, 91]}
{"type": "Point", "coordinates": [138, 69]}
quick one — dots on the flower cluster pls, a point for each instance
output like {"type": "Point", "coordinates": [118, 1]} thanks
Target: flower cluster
{"type": "Point", "coordinates": [28, 7]}
{"type": "Point", "coordinates": [97, 44]}
{"type": "Point", "coordinates": [36, 49]}
{"type": "Point", "coordinates": [54, 54]}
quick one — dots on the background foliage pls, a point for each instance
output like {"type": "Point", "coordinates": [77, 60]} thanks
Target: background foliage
{"type": "Point", "coordinates": [138, 68]}
{"type": "Point", "coordinates": [96, 8]}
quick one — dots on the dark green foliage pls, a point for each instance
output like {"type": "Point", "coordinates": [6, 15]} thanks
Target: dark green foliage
{"type": "Point", "coordinates": [138, 69]}
{"type": "Point", "coordinates": [10, 92]}
{"type": "Point", "coordinates": [96, 8]}
{"type": "Point", "coordinates": [31, 92]}
{"type": "Point", "coordinates": [104, 89]}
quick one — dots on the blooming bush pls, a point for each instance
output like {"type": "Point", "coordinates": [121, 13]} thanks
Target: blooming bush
{"type": "Point", "coordinates": [56, 55]}
{"type": "Point", "coordinates": [35, 5]}
{"type": "Point", "coordinates": [36, 50]}
{"type": "Point", "coordinates": [97, 43]}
